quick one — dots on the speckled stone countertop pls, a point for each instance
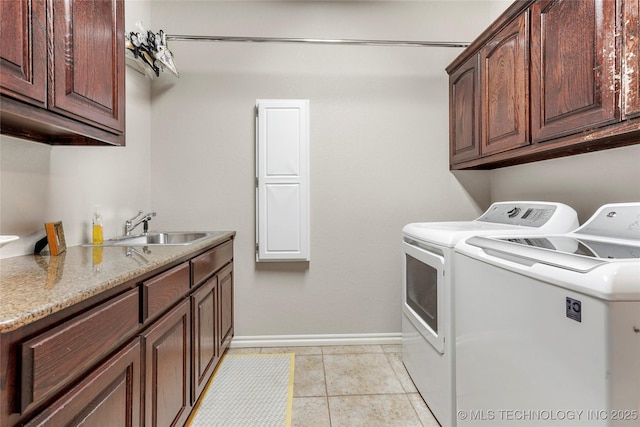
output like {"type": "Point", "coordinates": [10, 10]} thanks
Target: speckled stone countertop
{"type": "Point", "coordinates": [35, 286]}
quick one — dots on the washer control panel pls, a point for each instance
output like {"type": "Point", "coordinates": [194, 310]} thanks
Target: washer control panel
{"type": "Point", "coordinates": [514, 213]}
{"type": "Point", "coordinates": [619, 220]}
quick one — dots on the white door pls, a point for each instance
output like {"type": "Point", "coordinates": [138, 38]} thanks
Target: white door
{"type": "Point", "coordinates": [282, 180]}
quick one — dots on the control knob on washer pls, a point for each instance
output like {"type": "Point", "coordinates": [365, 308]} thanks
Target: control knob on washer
{"type": "Point", "coordinates": [513, 212]}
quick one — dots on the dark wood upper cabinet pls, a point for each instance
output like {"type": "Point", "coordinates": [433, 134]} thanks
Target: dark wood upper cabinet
{"type": "Point", "coordinates": [88, 62]}
{"type": "Point", "coordinates": [557, 78]}
{"type": "Point", "coordinates": [630, 59]}
{"type": "Point", "coordinates": [464, 114]}
{"type": "Point", "coordinates": [62, 71]}
{"type": "Point", "coordinates": [23, 73]}
{"type": "Point", "coordinates": [505, 88]}
{"type": "Point", "coordinates": [574, 66]}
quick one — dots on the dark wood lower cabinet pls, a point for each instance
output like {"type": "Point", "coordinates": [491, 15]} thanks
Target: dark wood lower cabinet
{"type": "Point", "coordinates": [110, 396]}
{"type": "Point", "coordinates": [167, 346]}
{"type": "Point", "coordinates": [140, 354]}
{"type": "Point", "coordinates": [212, 311]}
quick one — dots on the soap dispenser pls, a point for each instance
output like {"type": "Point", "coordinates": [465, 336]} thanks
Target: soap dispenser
{"type": "Point", "coordinates": [96, 222]}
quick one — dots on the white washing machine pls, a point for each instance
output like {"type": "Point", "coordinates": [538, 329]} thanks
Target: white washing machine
{"type": "Point", "coordinates": [548, 328]}
{"type": "Point", "coordinates": [428, 345]}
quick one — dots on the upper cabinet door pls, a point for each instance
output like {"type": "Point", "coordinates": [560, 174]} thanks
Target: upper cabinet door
{"type": "Point", "coordinates": [88, 50]}
{"type": "Point", "coordinates": [464, 112]}
{"type": "Point", "coordinates": [630, 60]}
{"type": "Point", "coordinates": [23, 48]}
{"type": "Point", "coordinates": [505, 88]}
{"type": "Point", "coordinates": [574, 64]}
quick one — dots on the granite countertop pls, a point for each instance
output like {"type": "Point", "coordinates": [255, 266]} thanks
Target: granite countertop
{"type": "Point", "coordinates": [35, 286]}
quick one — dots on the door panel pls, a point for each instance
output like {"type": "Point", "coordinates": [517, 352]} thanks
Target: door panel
{"type": "Point", "coordinates": [204, 305]}
{"type": "Point", "coordinates": [630, 60]}
{"type": "Point", "coordinates": [88, 48]}
{"type": "Point", "coordinates": [168, 367]}
{"type": "Point", "coordinates": [23, 51]}
{"type": "Point", "coordinates": [464, 112]}
{"type": "Point", "coordinates": [573, 85]}
{"type": "Point", "coordinates": [505, 94]}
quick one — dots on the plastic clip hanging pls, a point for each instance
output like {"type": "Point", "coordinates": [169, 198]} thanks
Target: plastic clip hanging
{"type": "Point", "coordinates": [148, 53]}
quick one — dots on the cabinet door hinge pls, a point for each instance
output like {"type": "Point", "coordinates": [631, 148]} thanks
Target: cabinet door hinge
{"type": "Point", "coordinates": [257, 182]}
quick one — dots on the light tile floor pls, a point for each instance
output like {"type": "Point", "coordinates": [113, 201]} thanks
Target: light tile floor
{"type": "Point", "coordinates": [351, 386]}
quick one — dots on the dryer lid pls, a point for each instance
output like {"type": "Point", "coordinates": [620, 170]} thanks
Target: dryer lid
{"type": "Point", "coordinates": [606, 250]}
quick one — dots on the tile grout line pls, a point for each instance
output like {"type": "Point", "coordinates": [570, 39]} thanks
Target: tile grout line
{"type": "Point", "coordinates": [326, 389]}
{"type": "Point", "coordinates": [406, 394]}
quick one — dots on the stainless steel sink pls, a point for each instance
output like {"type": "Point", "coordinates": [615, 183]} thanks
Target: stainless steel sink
{"type": "Point", "coordinates": [160, 238]}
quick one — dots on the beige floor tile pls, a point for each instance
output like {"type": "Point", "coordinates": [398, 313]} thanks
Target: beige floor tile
{"type": "Point", "coordinates": [296, 350]}
{"type": "Point", "coordinates": [392, 348]}
{"type": "Point", "coordinates": [310, 412]}
{"type": "Point", "coordinates": [367, 385]}
{"type": "Point", "coordinates": [398, 367]}
{"type": "Point", "coordinates": [351, 349]}
{"type": "Point", "coordinates": [427, 418]}
{"type": "Point", "coordinates": [308, 377]}
{"type": "Point", "coordinates": [348, 374]}
{"type": "Point", "coordinates": [386, 410]}
{"type": "Point", "coordinates": [247, 350]}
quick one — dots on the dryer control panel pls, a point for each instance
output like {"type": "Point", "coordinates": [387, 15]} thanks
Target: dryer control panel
{"type": "Point", "coordinates": [520, 213]}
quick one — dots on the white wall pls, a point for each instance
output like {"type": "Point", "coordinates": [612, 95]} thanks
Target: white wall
{"type": "Point", "coordinates": [378, 159]}
{"type": "Point", "coordinates": [584, 182]}
{"type": "Point", "coordinates": [41, 183]}
{"type": "Point", "coordinates": [379, 148]}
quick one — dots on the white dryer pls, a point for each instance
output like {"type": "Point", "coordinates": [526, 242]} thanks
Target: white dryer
{"type": "Point", "coordinates": [548, 328]}
{"type": "Point", "coordinates": [428, 345]}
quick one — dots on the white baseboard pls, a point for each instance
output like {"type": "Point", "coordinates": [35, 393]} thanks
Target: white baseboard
{"type": "Point", "coordinates": [314, 340]}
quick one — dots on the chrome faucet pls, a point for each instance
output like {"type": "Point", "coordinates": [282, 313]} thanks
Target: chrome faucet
{"type": "Point", "coordinates": [129, 225]}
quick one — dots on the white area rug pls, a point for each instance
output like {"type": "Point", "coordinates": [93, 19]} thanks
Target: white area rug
{"type": "Point", "coordinates": [248, 390]}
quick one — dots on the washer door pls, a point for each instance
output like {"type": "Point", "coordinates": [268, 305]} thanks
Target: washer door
{"type": "Point", "coordinates": [423, 293]}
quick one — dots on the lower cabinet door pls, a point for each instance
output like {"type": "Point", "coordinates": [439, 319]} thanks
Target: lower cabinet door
{"type": "Point", "coordinates": [225, 286]}
{"type": "Point", "coordinates": [167, 347]}
{"type": "Point", "coordinates": [109, 396]}
{"type": "Point", "coordinates": [206, 352]}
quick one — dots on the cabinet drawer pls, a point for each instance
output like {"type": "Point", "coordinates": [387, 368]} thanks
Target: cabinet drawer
{"type": "Point", "coordinates": [55, 358]}
{"type": "Point", "coordinates": [108, 396]}
{"type": "Point", "coordinates": [161, 292]}
{"type": "Point", "coordinates": [211, 261]}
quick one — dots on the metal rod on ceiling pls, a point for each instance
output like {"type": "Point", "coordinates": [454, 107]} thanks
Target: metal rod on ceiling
{"type": "Point", "coordinates": [400, 43]}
